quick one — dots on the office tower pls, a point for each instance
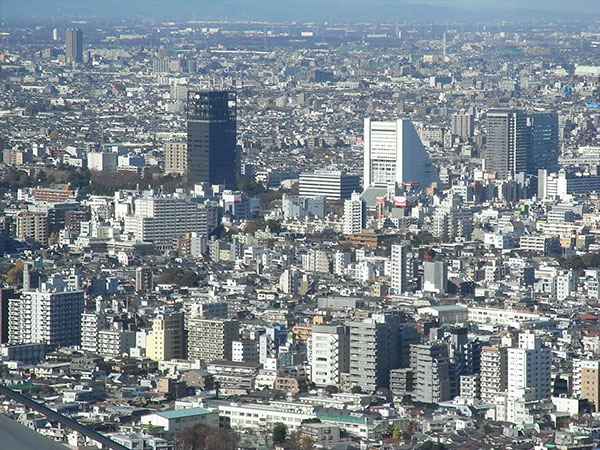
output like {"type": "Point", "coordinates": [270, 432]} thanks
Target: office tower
{"type": "Point", "coordinates": [355, 214]}
{"type": "Point", "coordinates": [430, 364]}
{"type": "Point", "coordinates": [462, 125]}
{"type": "Point", "coordinates": [5, 296]}
{"type": "Point", "coordinates": [394, 153]}
{"type": "Point", "coordinates": [378, 345]}
{"type": "Point", "coordinates": [160, 219]}
{"type": "Point", "coordinates": [91, 325]}
{"type": "Point", "coordinates": [211, 138]}
{"type": "Point", "coordinates": [493, 372]}
{"type": "Point", "coordinates": [435, 277]}
{"type": "Point", "coordinates": [55, 34]}
{"type": "Point", "coordinates": [176, 158]}
{"type": "Point", "coordinates": [143, 279]}
{"type": "Point", "coordinates": [331, 184]}
{"type": "Point", "coordinates": [507, 143]}
{"type": "Point", "coordinates": [211, 339]}
{"type": "Point", "coordinates": [50, 315]}
{"type": "Point", "coordinates": [586, 382]}
{"type": "Point", "coordinates": [543, 142]}
{"type": "Point", "coordinates": [529, 368]}
{"type": "Point", "coordinates": [166, 339]}
{"type": "Point", "coordinates": [74, 45]}
{"type": "Point", "coordinates": [399, 268]}
{"type": "Point", "coordinates": [329, 354]}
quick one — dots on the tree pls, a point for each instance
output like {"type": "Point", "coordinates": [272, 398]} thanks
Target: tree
{"type": "Point", "coordinates": [279, 433]}
{"type": "Point", "coordinates": [356, 389]}
{"type": "Point", "coordinates": [397, 433]}
{"type": "Point", "coordinates": [15, 273]}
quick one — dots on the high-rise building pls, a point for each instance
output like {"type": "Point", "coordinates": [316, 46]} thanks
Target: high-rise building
{"type": "Point", "coordinates": [355, 214]}
{"type": "Point", "coordinates": [507, 143]}
{"type": "Point", "coordinates": [143, 279]}
{"type": "Point", "coordinates": [399, 268]}
{"type": "Point", "coordinates": [394, 153]}
{"type": "Point", "coordinates": [331, 184]}
{"type": "Point", "coordinates": [166, 339]}
{"type": "Point", "coordinates": [377, 345]}
{"type": "Point", "coordinates": [91, 325]}
{"type": "Point", "coordinates": [529, 368]}
{"type": "Point", "coordinates": [176, 158]}
{"type": "Point", "coordinates": [33, 225]}
{"type": "Point", "coordinates": [543, 142]}
{"type": "Point", "coordinates": [462, 125]}
{"type": "Point", "coordinates": [6, 295]}
{"type": "Point", "coordinates": [586, 383]}
{"type": "Point", "coordinates": [430, 364]}
{"type": "Point", "coordinates": [494, 372]}
{"type": "Point", "coordinates": [211, 138]}
{"type": "Point", "coordinates": [211, 339]}
{"type": "Point", "coordinates": [435, 277]}
{"type": "Point", "coordinates": [160, 219]}
{"type": "Point", "coordinates": [74, 45]}
{"type": "Point", "coordinates": [329, 354]}
{"type": "Point", "coordinates": [50, 315]}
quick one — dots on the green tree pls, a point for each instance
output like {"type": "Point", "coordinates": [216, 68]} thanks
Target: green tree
{"type": "Point", "coordinates": [279, 433]}
{"type": "Point", "coordinates": [356, 389]}
{"type": "Point", "coordinates": [15, 273]}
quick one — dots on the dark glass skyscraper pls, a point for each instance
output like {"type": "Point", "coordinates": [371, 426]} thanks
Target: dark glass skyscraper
{"type": "Point", "coordinates": [211, 137]}
{"type": "Point", "coordinates": [74, 45]}
{"type": "Point", "coordinates": [543, 142]}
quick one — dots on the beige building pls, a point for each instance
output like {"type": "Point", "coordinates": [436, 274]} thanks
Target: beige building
{"type": "Point", "coordinates": [211, 339]}
{"type": "Point", "coordinates": [176, 158]}
{"type": "Point", "coordinates": [587, 381]}
{"type": "Point", "coordinates": [166, 340]}
{"type": "Point", "coordinates": [33, 225]}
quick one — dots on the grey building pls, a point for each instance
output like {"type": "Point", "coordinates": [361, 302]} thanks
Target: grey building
{"type": "Point", "coordinates": [507, 142]}
{"type": "Point", "coordinates": [301, 207]}
{"type": "Point", "coordinates": [74, 45]}
{"type": "Point", "coordinates": [211, 339]}
{"type": "Point", "coordinates": [377, 345]}
{"type": "Point", "coordinates": [431, 366]}
{"type": "Point", "coordinates": [435, 277]}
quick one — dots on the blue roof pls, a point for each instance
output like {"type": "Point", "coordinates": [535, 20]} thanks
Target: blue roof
{"type": "Point", "coordinates": [179, 413]}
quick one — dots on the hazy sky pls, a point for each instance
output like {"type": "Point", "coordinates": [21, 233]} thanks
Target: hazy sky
{"type": "Point", "coordinates": [388, 10]}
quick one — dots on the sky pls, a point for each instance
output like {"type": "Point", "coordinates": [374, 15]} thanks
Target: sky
{"type": "Point", "coordinates": [303, 10]}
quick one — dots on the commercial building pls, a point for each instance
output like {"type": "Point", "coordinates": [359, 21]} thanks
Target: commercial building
{"type": "Point", "coordinates": [543, 142]}
{"type": "Point", "coordinates": [430, 364]}
{"type": "Point", "coordinates": [394, 153]}
{"type": "Point", "coordinates": [507, 143]}
{"type": "Point", "coordinates": [211, 138]}
{"type": "Point", "coordinates": [435, 277]}
{"type": "Point", "coordinates": [73, 45]}
{"type": "Point", "coordinates": [565, 184]}
{"type": "Point", "coordinates": [331, 184]}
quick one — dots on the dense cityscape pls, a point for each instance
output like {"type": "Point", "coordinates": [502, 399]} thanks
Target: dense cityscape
{"type": "Point", "coordinates": [223, 234]}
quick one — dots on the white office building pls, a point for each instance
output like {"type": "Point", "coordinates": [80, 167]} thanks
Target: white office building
{"type": "Point", "coordinates": [394, 153]}
{"type": "Point", "coordinates": [331, 184]}
{"type": "Point", "coordinates": [399, 279]}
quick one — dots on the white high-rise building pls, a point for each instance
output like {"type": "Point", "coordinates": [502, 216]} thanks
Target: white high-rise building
{"type": "Point", "coordinates": [91, 324]}
{"type": "Point", "coordinates": [161, 219]}
{"type": "Point", "coordinates": [50, 315]}
{"type": "Point", "coordinates": [329, 354]}
{"type": "Point", "coordinates": [355, 215]}
{"type": "Point", "coordinates": [394, 153]}
{"type": "Point", "coordinates": [529, 368]}
{"type": "Point", "coordinates": [399, 279]}
{"type": "Point", "coordinates": [435, 277]}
